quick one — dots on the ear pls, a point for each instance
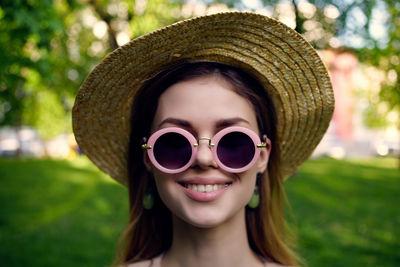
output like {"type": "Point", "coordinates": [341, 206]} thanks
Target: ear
{"type": "Point", "coordinates": [263, 159]}
{"type": "Point", "coordinates": [146, 162]}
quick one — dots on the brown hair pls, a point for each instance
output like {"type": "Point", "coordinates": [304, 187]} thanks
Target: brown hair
{"type": "Point", "coordinates": [149, 232]}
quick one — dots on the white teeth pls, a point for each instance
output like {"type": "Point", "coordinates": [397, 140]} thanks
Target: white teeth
{"type": "Point", "coordinates": [205, 188]}
{"type": "Point", "coordinates": [201, 188]}
{"type": "Point", "coordinates": [209, 188]}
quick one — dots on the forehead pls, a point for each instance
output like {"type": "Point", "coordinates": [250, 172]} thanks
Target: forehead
{"type": "Point", "coordinates": [203, 101]}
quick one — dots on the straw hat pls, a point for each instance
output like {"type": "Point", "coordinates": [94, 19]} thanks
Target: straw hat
{"type": "Point", "coordinates": [278, 56]}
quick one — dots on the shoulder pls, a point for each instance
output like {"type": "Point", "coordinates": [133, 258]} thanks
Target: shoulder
{"type": "Point", "coordinates": [146, 263]}
{"type": "Point", "coordinates": [273, 264]}
{"type": "Point", "coordinates": [154, 262]}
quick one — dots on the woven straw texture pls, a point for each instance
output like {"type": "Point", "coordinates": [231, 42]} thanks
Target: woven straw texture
{"type": "Point", "coordinates": [278, 56]}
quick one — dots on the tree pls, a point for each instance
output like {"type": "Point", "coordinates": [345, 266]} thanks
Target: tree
{"type": "Point", "coordinates": [371, 29]}
{"type": "Point", "coordinates": [50, 46]}
{"type": "Point", "coordinates": [30, 34]}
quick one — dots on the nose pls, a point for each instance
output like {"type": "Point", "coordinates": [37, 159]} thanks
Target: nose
{"type": "Point", "coordinates": [204, 157]}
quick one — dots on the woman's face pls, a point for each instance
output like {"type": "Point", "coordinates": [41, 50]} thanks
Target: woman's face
{"type": "Point", "coordinates": [204, 106]}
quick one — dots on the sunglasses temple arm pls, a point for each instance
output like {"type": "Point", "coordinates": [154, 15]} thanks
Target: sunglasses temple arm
{"type": "Point", "coordinates": [144, 145]}
{"type": "Point", "coordinates": [263, 144]}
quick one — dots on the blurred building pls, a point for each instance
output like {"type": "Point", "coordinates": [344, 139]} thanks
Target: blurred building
{"type": "Point", "coordinates": [347, 135]}
{"type": "Point", "coordinates": [26, 142]}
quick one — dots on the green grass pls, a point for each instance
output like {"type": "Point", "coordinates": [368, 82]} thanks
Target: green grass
{"type": "Point", "coordinates": [66, 213]}
{"type": "Point", "coordinates": [347, 213]}
{"type": "Point", "coordinates": [58, 213]}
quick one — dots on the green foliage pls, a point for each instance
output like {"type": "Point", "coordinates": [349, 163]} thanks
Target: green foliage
{"type": "Point", "coordinates": [355, 19]}
{"type": "Point", "coordinates": [56, 40]}
{"type": "Point", "coordinates": [373, 118]}
{"type": "Point", "coordinates": [49, 47]}
{"type": "Point", "coordinates": [382, 53]}
{"type": "Point", "coordinates": [41, 107]}
{"type": "Point", "coordinates": [26, 31]}
{"type": "Point", "coordinates": [67, 213]}
{"type": "Point", "coordinates": [46, 114]}
{"type": "Point", "coordinates": [387, 58]}
{"type": "Point", "coordinates": [157, 13]}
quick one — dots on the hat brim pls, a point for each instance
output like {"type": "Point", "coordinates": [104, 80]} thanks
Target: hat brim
{"type": "Point", "coordinates": [279, 57]}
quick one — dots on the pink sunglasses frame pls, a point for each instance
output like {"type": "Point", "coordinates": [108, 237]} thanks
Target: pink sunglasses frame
{"type": "Point", "coordinates": [212, 143]}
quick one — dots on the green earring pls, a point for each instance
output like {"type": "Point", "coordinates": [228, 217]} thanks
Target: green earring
{"type": "Point", "coordinates": [255, 199]}
{"type": "Point", "coordinates": [148, 201]}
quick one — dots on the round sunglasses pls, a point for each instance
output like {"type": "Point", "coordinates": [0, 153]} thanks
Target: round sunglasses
{"type": "Point", "coordinates": [235, 149]}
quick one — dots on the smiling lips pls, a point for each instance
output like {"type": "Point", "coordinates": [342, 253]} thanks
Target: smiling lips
{"type": "Point", "coordinates": [204, 192]}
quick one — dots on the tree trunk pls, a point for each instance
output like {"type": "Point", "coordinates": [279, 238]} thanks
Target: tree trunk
{"type": "Point", "coordinates": [112, 35]}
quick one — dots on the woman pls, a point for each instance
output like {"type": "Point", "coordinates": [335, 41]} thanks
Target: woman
{"type": "Point", "coordinates": [203, 120]}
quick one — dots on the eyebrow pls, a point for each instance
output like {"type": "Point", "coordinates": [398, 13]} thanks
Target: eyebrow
{"type": "Point", "coordinates": [178, 122]}
{"type": "Point", "coordinates": [229, 122]}
{"type": "Point", "coordinates": [223, 123]}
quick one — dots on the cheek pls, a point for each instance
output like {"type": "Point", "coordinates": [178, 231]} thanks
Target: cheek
{"type": "Point", "coordinates": [249, 181]}
{"type": "Point", "coordinates": [246, 185]}
{"type": "Point", "coordinates": [166, 188]}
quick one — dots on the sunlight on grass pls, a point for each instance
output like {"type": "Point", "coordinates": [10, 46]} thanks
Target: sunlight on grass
{"type": "Point", "coordinates": [84, 163]}
{"type": "Point", "coordinates": [347, 212]}
{"type": "Point", "coordinates": [59, 213]}
{"type": "Point", "coordinates": [388, 163]}
{"type": "Point", "coordinates": [53, 185]}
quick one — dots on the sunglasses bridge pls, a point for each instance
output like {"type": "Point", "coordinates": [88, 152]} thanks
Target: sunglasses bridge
{"type": "Point", "coordinates": [204, 138]}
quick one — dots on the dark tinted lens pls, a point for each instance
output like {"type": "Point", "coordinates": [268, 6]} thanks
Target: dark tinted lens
{"type": "Point", "coordinates": [172, 150]}
{"type": "Point", "coordinates": [235, 150]}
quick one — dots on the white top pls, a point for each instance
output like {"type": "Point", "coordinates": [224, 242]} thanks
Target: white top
{"type": "Point", "coordinates": [156, 262]}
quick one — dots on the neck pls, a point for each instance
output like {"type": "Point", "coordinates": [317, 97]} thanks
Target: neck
{"type": "Point", "coordinates": [223, 245]}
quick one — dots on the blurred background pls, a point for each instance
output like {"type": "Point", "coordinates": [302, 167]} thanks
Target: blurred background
{"type": "Point", "coordinates": [58, 209]}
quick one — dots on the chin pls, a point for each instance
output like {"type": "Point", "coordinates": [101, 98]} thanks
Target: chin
{"type": "Point", "coordinates": [204, 222]}
{"type": "Point", "coordinates": [208, 217]}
